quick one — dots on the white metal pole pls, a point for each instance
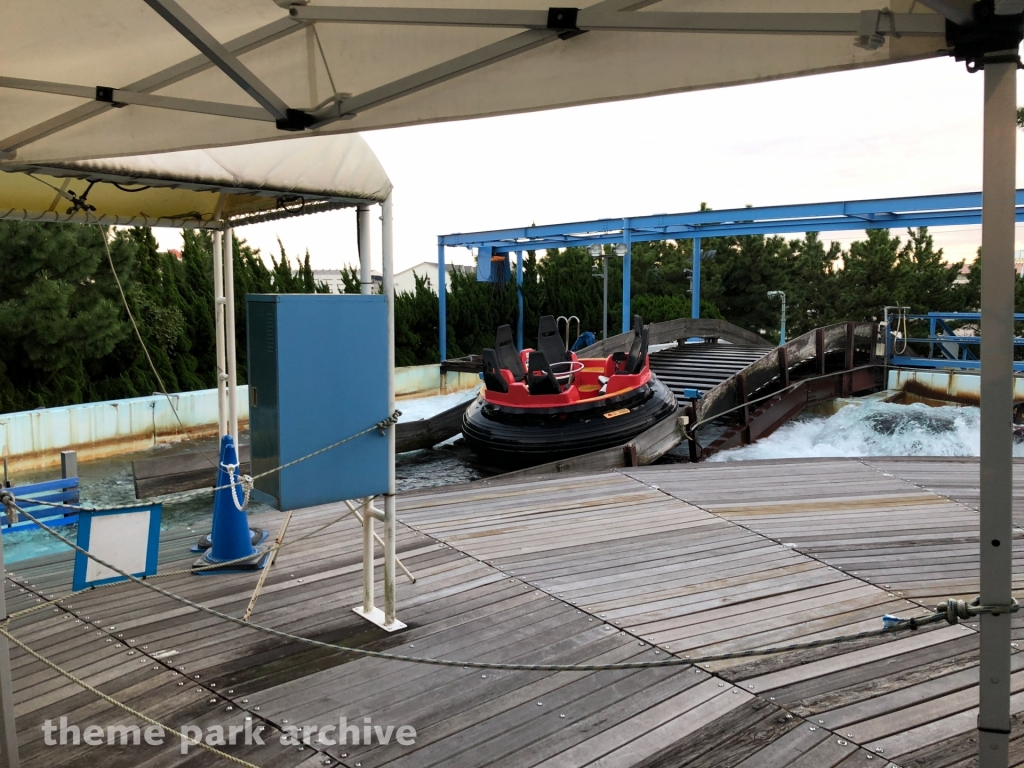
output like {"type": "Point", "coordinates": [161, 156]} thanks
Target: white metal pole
{"type": "Point", "coordinates": [229, 330]}
{"type": "Point", "coordinates": [218, 311]}
{"type": "Point", "coordinates": [365, 288]}
{"type": "Point", "coordinates": [997, 304]}
{"type": "Point", "coordinates": [8, 732]}
{"type": "Point", "coordinates": [387, 257]}
{"type": "Point", "coordinates": [368, 555]}
{"type": "Point", "coordinates": [363, 235]}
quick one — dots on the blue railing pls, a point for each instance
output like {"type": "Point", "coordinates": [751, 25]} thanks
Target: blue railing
{"type": "Point", "coordinates": [945, 349]}
{"type": "Point", "coordinates": [64, 490]}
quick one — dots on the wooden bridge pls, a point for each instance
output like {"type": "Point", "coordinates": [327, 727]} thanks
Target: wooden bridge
{"type": "Point", "coordinates": [740, 391]}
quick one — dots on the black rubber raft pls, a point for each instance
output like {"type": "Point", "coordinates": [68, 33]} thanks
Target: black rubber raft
{"type": "Point", "coordinates": [513, 438]}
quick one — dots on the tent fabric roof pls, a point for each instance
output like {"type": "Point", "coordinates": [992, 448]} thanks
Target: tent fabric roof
{"type": "Point", "coordinates": [196, 188]}
{"type": "Point", "coordinates": [111, 78]}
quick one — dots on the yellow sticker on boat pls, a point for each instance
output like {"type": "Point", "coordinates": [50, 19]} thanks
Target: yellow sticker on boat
{"type": "Point", "coordinates": [613, 414]}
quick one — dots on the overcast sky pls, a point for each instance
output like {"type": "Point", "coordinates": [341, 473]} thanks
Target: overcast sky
{"type": "Point", "coordinates": [908, 129]}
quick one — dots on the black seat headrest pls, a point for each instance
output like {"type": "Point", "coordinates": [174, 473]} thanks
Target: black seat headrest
{"type": "Point", "coordinates": [539, 378]}
{"type": "Point", "coordinates": [550, 342]}
{"type": "Point", "coordinates": [508, 355]}
{"type": "Point", "coordinates": [493, 379]}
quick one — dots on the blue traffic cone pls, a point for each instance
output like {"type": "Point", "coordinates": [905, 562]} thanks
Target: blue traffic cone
{"type": "Point", "coordinates": [231, 536]}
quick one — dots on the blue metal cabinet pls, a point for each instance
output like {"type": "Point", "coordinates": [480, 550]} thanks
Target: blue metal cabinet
{"type": "Point", "coordinates": [318, 370]}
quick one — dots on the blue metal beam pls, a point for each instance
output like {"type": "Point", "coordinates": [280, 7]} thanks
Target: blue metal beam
{"type": "Point", "coordinates": [960, 209]}
{"type": "Point", "coordinates": [931, 210]}
{"type": "Point", "coordinates": [695, 290]}
{"type": "Point", "coordinates": [442, 302]}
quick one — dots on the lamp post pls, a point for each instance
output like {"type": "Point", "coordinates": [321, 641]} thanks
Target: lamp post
{"type": "Point", "coordinates": [597, 252]}
{"type": "Point", "coordinates": [782, 324]}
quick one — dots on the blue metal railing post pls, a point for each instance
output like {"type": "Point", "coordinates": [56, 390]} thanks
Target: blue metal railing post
{"type": "Point", "coordinates": [627, 239]}
{"type": "Point", "coordinates": [695, 290]}
{"type": "Point", "coordinates": [520, 268]}
{"type": "Point", "coordinates": [442, 308]}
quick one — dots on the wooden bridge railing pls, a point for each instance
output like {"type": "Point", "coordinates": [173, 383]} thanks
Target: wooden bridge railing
{"type": "Point", "coordinates": [813, 347]}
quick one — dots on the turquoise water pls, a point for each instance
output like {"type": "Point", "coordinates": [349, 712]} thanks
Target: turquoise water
{"type": "Point", "coordinates": [109, 481]}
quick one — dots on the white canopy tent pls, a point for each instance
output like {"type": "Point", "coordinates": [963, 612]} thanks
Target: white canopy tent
{"type": "Point", "coordinates": [215, 189]}
{"type": "Point", "coordinates": [109, 78]}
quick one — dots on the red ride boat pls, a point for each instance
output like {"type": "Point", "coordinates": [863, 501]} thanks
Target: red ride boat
{"type": "Point", "coordinates": [546, 404]}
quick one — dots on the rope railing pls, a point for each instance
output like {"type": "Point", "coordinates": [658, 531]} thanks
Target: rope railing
{"type": "Point", "coordinates": [891, 625]}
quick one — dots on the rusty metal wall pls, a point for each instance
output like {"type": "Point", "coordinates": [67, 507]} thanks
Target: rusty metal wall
{"type": "Point", "coordinates": [944, 387]}
{"type": "Point", "coordinates": [34, 439]}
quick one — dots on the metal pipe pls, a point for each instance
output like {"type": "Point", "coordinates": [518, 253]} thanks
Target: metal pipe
{"type": "Point", "coordinates": [782, 324]}
{"type": "Point", "coordinates": [695, 287]}
{"type": "Point", "coordinates": [8, 732]}
{"type": "Point", "coordinates": [365, 249]}
{"type": "Point", "coordinates": [368, 575]}
{"type": "Point", "coordinates": [604, 316]}
{"type": "Point", "coordinates": [627, 261]}
{"type": "Point", "coordinates": [520, 268]}
{"type": "Point", "coordinates": [442, 304]}
{"type": "Point", "coordinates": [387, 254]}
{"type": "Point", "coordinates": [997, 305]}
{"type": "Point", "coordinates": [379, 515]}
{"type": "Point", "coordinates": [229, 333]}
{"type": "Point", "coordinates": [218, 312]}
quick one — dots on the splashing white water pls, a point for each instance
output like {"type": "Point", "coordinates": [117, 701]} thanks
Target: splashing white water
{"type": "Point", "coordinates": [873, 429]}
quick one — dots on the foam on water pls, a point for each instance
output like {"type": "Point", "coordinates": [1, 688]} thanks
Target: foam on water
{"type": "Point", "coordinates": [873, 429]}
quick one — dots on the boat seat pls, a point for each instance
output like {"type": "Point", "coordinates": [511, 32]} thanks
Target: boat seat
{"type": "Point", "coordinates": [539, 379]}
{"type": "Point", "coordinates": [508, 355]}
{"type": "Point", "coordinates": [638, 351]}
{"type": "Point", "coordinates": [549, 341]}
{"type": "Point", "coordinates": [493, 379]}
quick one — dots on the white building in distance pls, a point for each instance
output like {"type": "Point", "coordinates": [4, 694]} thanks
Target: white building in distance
{"type": "Point", "coordinates": [405, 281]}
{"type": "Point", "coordinates": [332, 277]}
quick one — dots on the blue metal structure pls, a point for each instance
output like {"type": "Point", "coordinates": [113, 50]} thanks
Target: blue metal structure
{"type": "Point", "coordinates": [901, 212]}
{"type": "Point", "coordinates": [945, 349]}
{"type": "Point", "coordinates": [695, 290]}
{"type": "Point", "coordinates": [317, 368]}
{"type": "Point", "coordinates": [37, 498]}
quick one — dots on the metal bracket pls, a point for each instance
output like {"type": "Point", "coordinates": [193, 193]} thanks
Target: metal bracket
{"type": "Point", "coordinates": [295, 120]}
{"type": "Point", "coordinates": [563, 20]}
{"type": "Point", "coordinates": [869, 37]}
{"type": "Point", "coordinates": [105, 94]}
{"type": "Point", "coordinates": [989, 36]}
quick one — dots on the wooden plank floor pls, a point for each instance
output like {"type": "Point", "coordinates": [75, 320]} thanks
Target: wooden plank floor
{"type": "Point", "coordinates": [618, 566]}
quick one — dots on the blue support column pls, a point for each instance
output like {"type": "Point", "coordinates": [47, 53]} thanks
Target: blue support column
{"type": "Point", "coordinates": [627, 239]}
{"type": "Point", "coordinates": [695, 307]}
{"type": "Point", "coordinates": [442, 308]}
{"type": "Point", "coordinates": [519, 290]}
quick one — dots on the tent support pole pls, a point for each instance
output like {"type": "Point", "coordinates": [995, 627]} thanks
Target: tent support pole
{"type": "Point", "coordinates": [627, 278]}
{"type": "Point", "coordinates": [442, 304]}
{"type": "Point", "coordinates": [997, 306]}
{"type": "Point", "coordinates": [384, 619]}
{"type": "Point", "coordinates": [229, 332]}
{"type": "Point", "coordinates": [363, 237]}
{"type": "Point", "coordinates": [9, 757]}
{"type": "Point", "coordinates": [387, 257]}
{"type": "Point", "coordinates": [695, 306]}
{"type": "Point", "coordinates": [218, 311]}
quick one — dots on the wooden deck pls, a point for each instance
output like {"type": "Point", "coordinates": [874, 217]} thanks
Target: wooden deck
{"type": "Point", "coordinates": [623, 565]}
